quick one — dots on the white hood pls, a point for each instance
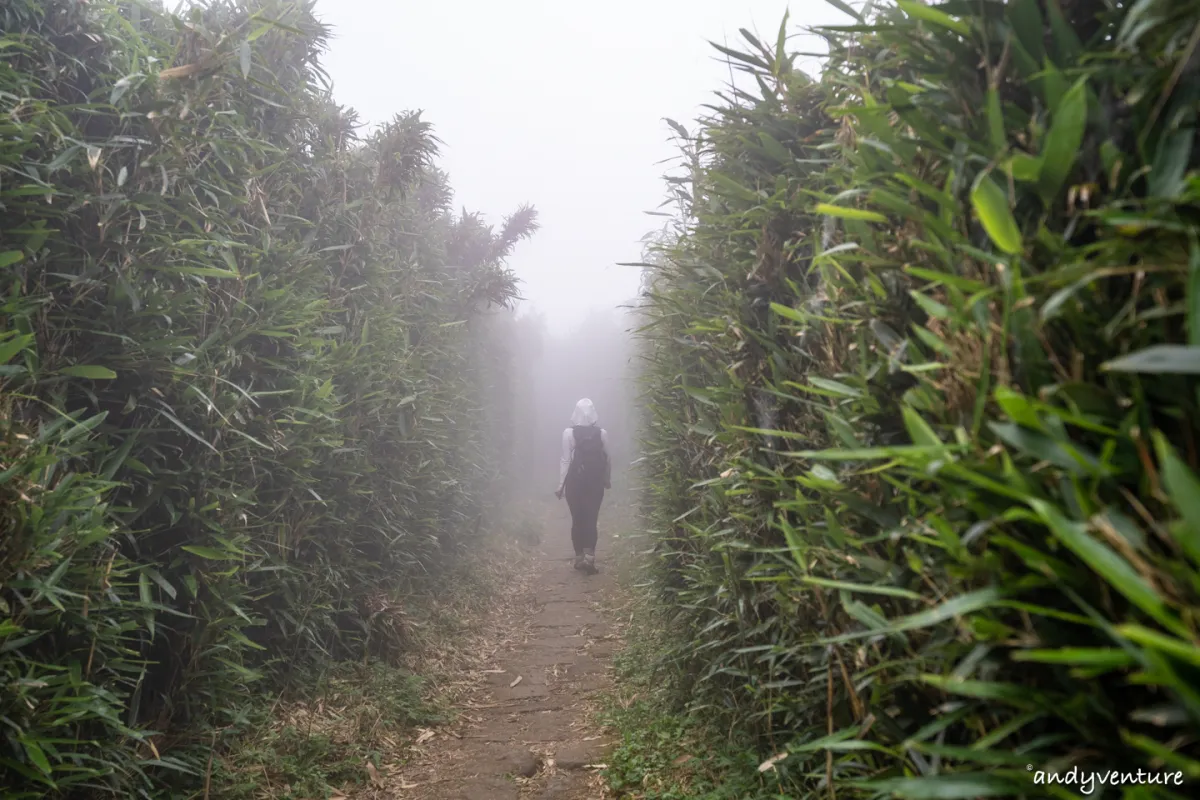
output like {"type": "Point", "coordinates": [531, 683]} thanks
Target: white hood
{"type": "Point", "coordinates": [585, 414]}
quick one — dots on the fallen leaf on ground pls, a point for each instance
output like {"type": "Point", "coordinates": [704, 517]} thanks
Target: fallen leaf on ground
{"type": "Point", "coordinates": [518, 680]}
{"type": "Point", "coordinates": [425, 736]}
{"type": "Point", "coordinates": [772, 761]}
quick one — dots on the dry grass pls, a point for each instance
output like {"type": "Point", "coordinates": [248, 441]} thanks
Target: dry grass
{"type": "Point", "coordinates": [457, 638]}
{"type": "Point", "coordinates": [457, 635]}
{"type": "Point", "coordinates": [408, 712]}
{"type": "Point", "coordinates": [455, 641]}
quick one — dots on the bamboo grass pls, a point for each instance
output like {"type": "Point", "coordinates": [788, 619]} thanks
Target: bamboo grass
{"type": "Point", "coordinates": [920, 365]}
{"type": "Point", "coordinates": [241, 381]}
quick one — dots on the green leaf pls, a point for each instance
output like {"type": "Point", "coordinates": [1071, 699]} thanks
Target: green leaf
{"type": "Point", "coordinates": [1184, 651]}
{"type": "Point", "coordinates": [37, 756]}
{"type": "Point", "coordinates": [10, 257]}
{"type": "Point", "coordinates": [842, 430]}
{"type": "Point", "coordinates": [244, 57]}
{"type": "Point", "coordinates": [845, 9]}
{"type": "Point", "coordinates": [991, 205]}
{"type": "Point", "coordinates": [995, 118]}
{"type": "Point", "coordinates": [1175, 359]}
{"type": "Point", "coordinates": [162, 582]}
{"type": "Point", "coordinates": [1018, 407]}
{"type": "Point", "coordinates": [1168, 756]}
{"type": "Point", "coordinates": [13, 346]}
{"type": "Point", "coordinates": [241, 638]}
{"type": "Point", "coordinates": [1184, 489]}
{"type": "Point", "coordinates": [90, 371]}
{"type": "Point", "coordinates": [890, 591]}
{"type": "Point", "coordinates": [1024, 167]}
{"type": "Point", "coordinates": [1107, 564]}
{"type": "Point", "coordinates": [776, 150]}
{"type": "Point", "coordinates": [179, 424]}
{"type": "Point", "coordinates": [835, 387]}
{"type": "Point", "coordinates": [203, 272]}
{"type": "Point", "coordinates": [781, 60]}
{"type": "Point", "coordinates": [930, 306]}
{"type": "Point", "coordinates": [1044, 448]}
{"type": "Point", "coordinates": [1009, 693]}
{"type": "Point", "coordinates": [1027, 21]}
{"type": "Point", "coordinates": [122, 87]}
{"type": "Point", "coordinates": [11, 645]}
{"type": "Point", "coordinates": [918, 429]}
{"type": "Point", "coordinates": [787, 312]}
{"type": "Point", "coordinates": [1053, 83]}
{"type": "Point", "coordinates": [1109, 657]}
{"type": "Point", "coordinates": [1066, 42]}
{"type": "Point", "coordinates": [210, 553]}
{"type": "Point", "coordinates": [745, 58]}
{"type": "Point", "coordinates": [954, 607]}
{"type": "Point", "coordinates": [961, 605]}
{"type": "Point", "coordinates": [924, 13]}
{"type": "Point", "coordinates": [63, 158]}
{"type": "Point", "coordinates": [948, 279]}
{"type": "Point", "coordinates": [731, 187]}
{"type": "Point", "coordinates": [950, 786]}
{"type": "Point", "coordinates": [1061, 148]}
{"type": "Point", "coordinates": [975, 754]}
{"type": "Point", "coordinates": [944, 201]}
{"type": "Point", "coordinates": [865, 454]}
{"type": "Point", "coordinates": [1193, 290]}
{"type": "Point", "coordinates": [1168, 173]}
{"type": "Point", "coordinates": [849, 213]}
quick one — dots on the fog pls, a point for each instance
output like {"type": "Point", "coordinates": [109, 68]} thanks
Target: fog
{"type": "Point", "coordinates": [561, 105]}
{"type": "Point", "coordinates": [549, 374]}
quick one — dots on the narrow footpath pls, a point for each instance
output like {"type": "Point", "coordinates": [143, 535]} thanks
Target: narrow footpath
{"type": "Point", "coordinates": [527, 729]}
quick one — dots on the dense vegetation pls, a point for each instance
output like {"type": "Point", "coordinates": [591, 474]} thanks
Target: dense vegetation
{"type": "Point", "coordinates": [922, 398]}
{"type": "Point", "coordinates": [241, 381]}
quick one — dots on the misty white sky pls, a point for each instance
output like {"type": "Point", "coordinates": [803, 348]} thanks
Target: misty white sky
{"type": "Point", "coordinates": [555, 103]}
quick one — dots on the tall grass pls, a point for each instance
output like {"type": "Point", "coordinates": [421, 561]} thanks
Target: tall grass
{"type": "Point", "coordinates": [922, 398]}
{"type": "Point", "coordinates": [241, 379]}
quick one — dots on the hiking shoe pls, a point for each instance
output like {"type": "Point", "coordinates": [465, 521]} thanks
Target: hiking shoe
{"type": "Point", "coordinates": [589, 564]}
{"type": "Point", "coordinates": [579, 561]}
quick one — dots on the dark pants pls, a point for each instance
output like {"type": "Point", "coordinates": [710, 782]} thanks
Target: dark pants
{"type": "Point", "coordinates": [584, 502]}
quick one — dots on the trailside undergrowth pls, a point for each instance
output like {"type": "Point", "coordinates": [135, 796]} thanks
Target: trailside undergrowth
{"type": "Point", "coordinates": [664, 753]}
{"type": "Point", "coordinates": [921, 356]}
{"type": "Point", "coordinates": [342, 727]}
{"type": "Point", "coordinates": [326, 738]}
{"type": "Point", "coordinates": [245, 349]}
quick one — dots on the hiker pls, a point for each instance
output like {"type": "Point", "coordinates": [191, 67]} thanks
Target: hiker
{"type": "Point", "coordinates": [584, 474]}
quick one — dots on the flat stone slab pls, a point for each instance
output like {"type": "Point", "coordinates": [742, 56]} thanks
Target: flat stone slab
{"type": "Point", "coordinates": [523, 691]}
{"type": "Point", "coordinates": [563, 662]}
{"type": "Point", "coordinates": [485, 788]}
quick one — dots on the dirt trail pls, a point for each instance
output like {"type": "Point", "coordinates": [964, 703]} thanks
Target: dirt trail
{"type": "Point", "coordinates": [526, 729]}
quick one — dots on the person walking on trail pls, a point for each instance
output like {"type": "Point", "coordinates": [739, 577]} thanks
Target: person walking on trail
{"type": "Point", "coordinates": [585, 473]}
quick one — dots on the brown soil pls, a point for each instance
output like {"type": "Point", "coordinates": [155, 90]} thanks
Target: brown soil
{"type": "Point", "coordinates": [526, 728]}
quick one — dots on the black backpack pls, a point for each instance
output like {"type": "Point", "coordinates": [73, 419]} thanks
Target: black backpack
{"type": "Point", "coordinates": [590, 461]}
